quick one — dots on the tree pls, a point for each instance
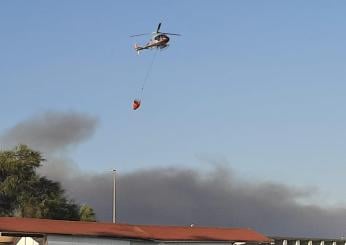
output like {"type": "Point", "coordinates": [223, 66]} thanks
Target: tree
{"type": "Point", "coordinates": [26, 194]}
{"type": "Point", "coordinates": [17, 170]}
{"type": "Point", "coordinates": [86, 213]}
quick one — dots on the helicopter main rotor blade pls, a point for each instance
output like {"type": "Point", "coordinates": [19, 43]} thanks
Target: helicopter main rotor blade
{"type": "Point", "coordinates": [143, 34]}
{"type": "Point", "coordinates": [174, 34]}
{"type": "Point", "coordinates": [158, 28]}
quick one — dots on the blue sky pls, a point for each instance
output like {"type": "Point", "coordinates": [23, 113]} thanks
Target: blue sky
{"type": "Point", "coordinates": [258, 85]}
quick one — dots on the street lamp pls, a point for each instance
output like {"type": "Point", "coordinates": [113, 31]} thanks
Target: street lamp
{"type": "Point", "coordinates": [114, 193]}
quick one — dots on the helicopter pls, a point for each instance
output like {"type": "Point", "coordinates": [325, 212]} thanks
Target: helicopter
{"type": "Point", "coordinates": [159, 40]}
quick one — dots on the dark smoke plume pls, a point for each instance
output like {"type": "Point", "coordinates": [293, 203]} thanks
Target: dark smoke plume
{"type": "Point", "coordinates": [178, 196]}
{"type": "Point", "coordinates": [175, 196]}
{"type": "Point", "coordinates": [51, 131]}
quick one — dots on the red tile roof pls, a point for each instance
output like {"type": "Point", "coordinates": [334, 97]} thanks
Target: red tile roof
{"type": "Point", "coordinates": [146, 232]}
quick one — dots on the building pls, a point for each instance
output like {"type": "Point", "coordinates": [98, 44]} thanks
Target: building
{"type": "Point", "coordinates": [307, 241]}
{"type": "Point", "coordinates": [25, 231]}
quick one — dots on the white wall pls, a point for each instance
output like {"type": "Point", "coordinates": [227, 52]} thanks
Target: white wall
{"type": "Point", "coordinates": [77, 240]}
{"type": "Point", "coordinates": [27, 241]}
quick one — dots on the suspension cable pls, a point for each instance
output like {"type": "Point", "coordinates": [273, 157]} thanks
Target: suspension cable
{"type": "Point", "coordinates": [148, 74]}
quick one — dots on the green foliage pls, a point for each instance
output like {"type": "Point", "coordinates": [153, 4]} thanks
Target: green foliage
{"type": "Point", "coordinates": [26, 194]}
{"type": "Point", "coordinates": [86, 213]}
{"type": "Point", "coordinates": [17, 171]}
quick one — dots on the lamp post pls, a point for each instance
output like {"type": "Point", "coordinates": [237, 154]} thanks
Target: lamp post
{"type": "Point", "coordinates": [114, 193]}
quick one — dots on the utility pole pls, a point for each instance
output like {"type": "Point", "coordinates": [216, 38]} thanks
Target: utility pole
{"type": "Point", "coordinates": [114, 193]}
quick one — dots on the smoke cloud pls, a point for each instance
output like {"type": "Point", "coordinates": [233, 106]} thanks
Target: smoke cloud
{"type": "Point", "coordinates": [179, 196]}
{"type": "Point", "coordinates": [176, 196]}
{"type": "Point", "coordinates": [51, 131]}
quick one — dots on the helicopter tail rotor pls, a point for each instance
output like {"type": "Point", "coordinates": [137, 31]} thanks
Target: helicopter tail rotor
{"type": "Point", "coordinates": [137, 48]}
